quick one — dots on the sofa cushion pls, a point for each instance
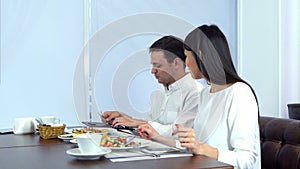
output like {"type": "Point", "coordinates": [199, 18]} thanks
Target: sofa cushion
{"type": "Point", "coordinates": [280, 143]}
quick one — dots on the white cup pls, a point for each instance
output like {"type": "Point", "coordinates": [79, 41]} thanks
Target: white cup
{"type": "Point", "coordinates": [24, 125]}
{"type": "Point", "coordinates": [49, 120]}
{"type": "Point", "coordinates": [88, 143]}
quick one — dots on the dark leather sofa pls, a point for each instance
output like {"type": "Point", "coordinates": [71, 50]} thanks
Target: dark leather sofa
{"type": "Point", "coordinates": [280, 143]}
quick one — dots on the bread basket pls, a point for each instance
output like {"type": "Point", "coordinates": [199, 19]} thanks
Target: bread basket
{"type": "Point", "coordinates": [47, 131]}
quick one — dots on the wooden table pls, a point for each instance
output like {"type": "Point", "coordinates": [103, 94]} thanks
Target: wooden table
{"type": "Point", "coordinates": [32, 152]}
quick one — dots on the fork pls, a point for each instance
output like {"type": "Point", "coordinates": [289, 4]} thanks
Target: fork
{"type": "Point", "coordinates": [129, 140]}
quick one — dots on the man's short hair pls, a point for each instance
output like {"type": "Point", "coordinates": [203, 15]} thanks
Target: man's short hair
{"type": "Point", "coordinates": [171, 46]}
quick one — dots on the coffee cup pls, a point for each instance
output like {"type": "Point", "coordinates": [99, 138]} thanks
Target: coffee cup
{"type": "Point", "coordinates": [24, 125]}
{"type": "Point", "coordinates": [88, 143]}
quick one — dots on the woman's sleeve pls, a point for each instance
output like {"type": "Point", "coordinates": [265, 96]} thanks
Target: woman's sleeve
{"type": "Point", "coordinates": [244, 130]}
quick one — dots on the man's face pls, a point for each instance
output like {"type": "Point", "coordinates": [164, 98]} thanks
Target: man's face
{"type": "Point", "coordinates": [161, 69]}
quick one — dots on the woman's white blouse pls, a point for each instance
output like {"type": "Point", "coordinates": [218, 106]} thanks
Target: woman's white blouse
{"type": "Point", "coordinates": [228, 121]}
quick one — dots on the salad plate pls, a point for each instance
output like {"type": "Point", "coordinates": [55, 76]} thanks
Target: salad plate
{"type": "Point", "coordinates": [75, 152]}
{"type": "Point", "coordinates": [83, 130]}
{"type": "Point", "coordinates": [72, 133]}
{"type": "Point", "coordinates": [86, 130]}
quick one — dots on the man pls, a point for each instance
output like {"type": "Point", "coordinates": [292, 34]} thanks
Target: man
{"type": "Point", "coordinates": [177, 104]}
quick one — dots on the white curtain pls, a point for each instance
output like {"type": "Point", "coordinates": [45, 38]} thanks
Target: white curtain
{"type": "Point", "coordinates": [290, 54]}
{"type": "Point", "coordinates": [121, 78]}
{"type": "Point", "coordinates": [42, 43]}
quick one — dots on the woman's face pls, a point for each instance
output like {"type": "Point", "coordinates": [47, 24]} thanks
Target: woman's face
{"type": "Point", "coordinates": [190, 62]}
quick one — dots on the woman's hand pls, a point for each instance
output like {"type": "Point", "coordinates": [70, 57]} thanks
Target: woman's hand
{"type": "Point", "coordinates": [188, 139]}
{"type": "Point", "coordinates": [147, 131]}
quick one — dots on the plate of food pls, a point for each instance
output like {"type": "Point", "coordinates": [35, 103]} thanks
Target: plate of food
{"type": "Point", "coordinates": [83, 130]}
{"type": "Point", "coordinates": [90, 130]}
{"type": "Point", "coordinates": [123, 143]}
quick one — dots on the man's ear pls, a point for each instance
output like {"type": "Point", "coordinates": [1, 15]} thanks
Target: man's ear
{"type": "Point", "coordinates": [177, 62]}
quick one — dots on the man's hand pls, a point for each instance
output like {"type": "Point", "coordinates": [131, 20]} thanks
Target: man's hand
{"type": "Point", "coordinates": [127, 121]}
{"type": "Point", "coordinates": [123, 121]}
{"type": "Point", "coordinates": [109, 116]}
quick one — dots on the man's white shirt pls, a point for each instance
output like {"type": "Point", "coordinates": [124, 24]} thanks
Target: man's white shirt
{"type": "Point", "coordinates": [177, 104]}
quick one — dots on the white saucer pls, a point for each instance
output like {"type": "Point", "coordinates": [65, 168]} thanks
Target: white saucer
{"type": "Point", "coordinates": [74, 141]}
{"type": "Point", "coordinates": [65, 137]}
{"type": "Point", "coordinates": [92, 156]}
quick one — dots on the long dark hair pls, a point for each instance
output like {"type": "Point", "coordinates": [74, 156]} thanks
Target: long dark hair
{"type": "Point", "coordinates": [211, 51]}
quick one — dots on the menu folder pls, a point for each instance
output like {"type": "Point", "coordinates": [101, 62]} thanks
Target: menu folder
{"type": "Point", "coordinates": [144, 154]}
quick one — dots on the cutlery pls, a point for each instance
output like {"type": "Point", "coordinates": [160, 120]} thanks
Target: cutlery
{"type": "Point", "coordinates": [129, 140]}
{"type": "Point", "coordinates": [39, 120]}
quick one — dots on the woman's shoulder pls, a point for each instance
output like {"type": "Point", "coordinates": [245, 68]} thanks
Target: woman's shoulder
{"type": "Point", "coordinates": [236, 88]}
{"type": "Point", "coordinates": [242, 90]}
{"type": "Point", "coordinates": [240, 86]}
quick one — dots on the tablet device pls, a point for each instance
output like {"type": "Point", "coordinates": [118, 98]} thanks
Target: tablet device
{"type": "Point", "coordinates": [94, 124]}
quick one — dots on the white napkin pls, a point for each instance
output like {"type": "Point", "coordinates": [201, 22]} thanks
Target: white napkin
{"type": "Point", "coordinates": [56, 125]}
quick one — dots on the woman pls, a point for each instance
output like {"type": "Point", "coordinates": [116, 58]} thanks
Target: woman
{"type": "Point", "coordinates": [226, 125]}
